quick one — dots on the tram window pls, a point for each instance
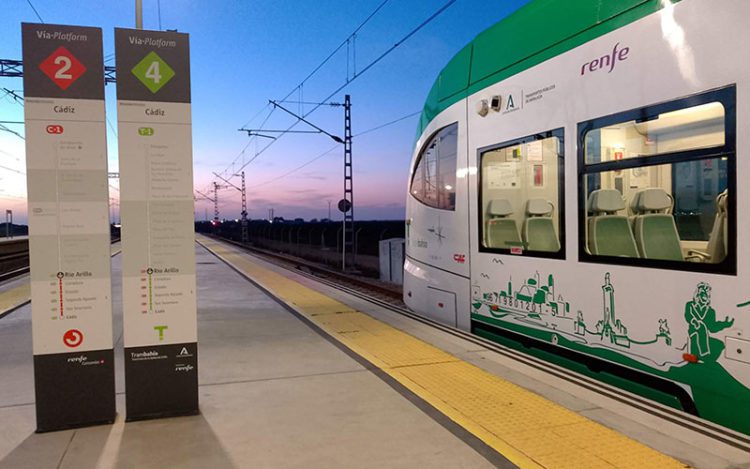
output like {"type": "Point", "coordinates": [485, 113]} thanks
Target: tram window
{"type": "Point", "coordinates": [691, 128]}
{"type": "Point", "coordinates": [434, 179]}
{"type": "Point", "coordinates": [670, 212]}
{"type": "Point", "coordinates": [521, 196]}
{"type": "Point", "coordinates": [656, 191]}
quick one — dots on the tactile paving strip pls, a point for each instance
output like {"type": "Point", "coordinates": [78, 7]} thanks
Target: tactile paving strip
{"type": "Point", "coordinates": [526, 428]}
{"type": "Point", "coordinates": [14, 297]}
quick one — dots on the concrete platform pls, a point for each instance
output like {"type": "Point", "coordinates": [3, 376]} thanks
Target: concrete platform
{"type": "Point", "coordinates": [273, 393]}
{"type": "Point", "coordinates": [527, 415]}
{"type": "Point", "coordinates": [279, 392]}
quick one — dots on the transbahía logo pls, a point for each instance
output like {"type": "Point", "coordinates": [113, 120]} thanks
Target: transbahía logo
{"type": "Point", "coordinates": [73, 338]}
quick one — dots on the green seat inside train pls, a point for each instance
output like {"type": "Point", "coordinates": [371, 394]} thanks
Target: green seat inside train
{"type": "Point", "coordinates": [609, 234]}
{"type": "Point", "coordinates": [502, 231]}
{"type": "Point", "coordinates": [654, 226]}
{"type": "Point", "coordinates": [716, 250]}
{"type": "Point", "coordinates": [538, 228]}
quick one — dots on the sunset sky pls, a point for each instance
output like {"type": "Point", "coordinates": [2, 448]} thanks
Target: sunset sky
{"type": "Point", "coordinates": [244, 53]}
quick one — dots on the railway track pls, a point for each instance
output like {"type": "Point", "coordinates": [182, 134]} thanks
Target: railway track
{"type": "Point", "coordinates": [14, 258]}
{"type": "Point", "coordinates": [390, 294]}
{"type": "Point", "coordinates": [387, 299]}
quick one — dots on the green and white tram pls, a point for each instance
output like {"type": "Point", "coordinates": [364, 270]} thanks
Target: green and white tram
{"type": "Point", "coordinates": [574, 192]}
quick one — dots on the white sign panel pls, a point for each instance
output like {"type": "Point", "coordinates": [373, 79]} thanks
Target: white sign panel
{"type": "Point", "coordinates": [158, 240]}
{"type": "Point", "coordinates": [69, 233]}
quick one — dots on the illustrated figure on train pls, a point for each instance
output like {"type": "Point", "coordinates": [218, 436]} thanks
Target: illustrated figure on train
{"type": "Point", "coordinates": [701, 319]}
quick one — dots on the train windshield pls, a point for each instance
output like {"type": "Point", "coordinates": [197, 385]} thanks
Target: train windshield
{"type": "Point", "coordinates": [434, 179]}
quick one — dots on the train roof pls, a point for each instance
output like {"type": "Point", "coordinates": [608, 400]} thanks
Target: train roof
{"type": "Point", "coordinates": [538, 31]}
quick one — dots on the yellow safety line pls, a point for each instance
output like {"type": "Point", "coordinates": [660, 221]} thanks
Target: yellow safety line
{"type": "Point", "coordinates": [16, 296]}
{"type": "Point", "coordinates": [526, 428]}
{"type": "Point", "coordinates": [13, 298]}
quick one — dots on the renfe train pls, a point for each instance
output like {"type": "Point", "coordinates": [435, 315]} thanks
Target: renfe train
{"type": "Point", "coordinates": [574, 189]}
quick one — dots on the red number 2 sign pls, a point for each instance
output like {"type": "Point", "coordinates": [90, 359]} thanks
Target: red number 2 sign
{"type": "Point", "coordinates": [62, 67]}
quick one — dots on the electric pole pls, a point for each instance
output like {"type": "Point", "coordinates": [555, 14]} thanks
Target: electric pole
{"type": "Point", "coordinates": [9, 224]}
{"type": "Point", "coordinates": [216, 204]}
{"type": "Point", "coordinates": [245, 237]}
{"type": "Point", "coordinates": [244, 202]}
{"type": "Point", "coordinates": [346, 205]}
{"type": "Point", "coordinates": [138, 14]}
{"type": "Point", "coordinates": [348, 188]}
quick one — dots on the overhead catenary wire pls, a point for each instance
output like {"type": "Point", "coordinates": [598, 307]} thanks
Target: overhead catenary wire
{"type": "Point", "coordinates": [369, 66]}
{"type": "Point", "coordinates": [343, 43]}
{"type": "Point", "coordinates": [13, 170]}
{"type": "Point", "coordinates": [111, 127]}
{"type": "Point", "coordinates": [388, 123]}
{"type": "Point", "coordinates": [397, 44]}
{"type": "Point", "coordinates": [288, 173]}
{"type": "Point", "coordinates": [316, 158]}
{"type": "Point", "coordinates": [13, 94]}
{"type": "Point", "coordinates": [11, 131]}
{"type": "Point", "coordinates": [300, 86]}
{"type": "Point", "coordinates": [252, 139]}
{"type": "Point", "coordinates": [36, 12]}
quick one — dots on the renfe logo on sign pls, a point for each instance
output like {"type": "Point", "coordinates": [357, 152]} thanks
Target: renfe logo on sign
{"type": "Point", "coordinates": [607, 61]}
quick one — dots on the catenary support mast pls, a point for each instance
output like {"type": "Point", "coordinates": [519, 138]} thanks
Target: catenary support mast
{"type": "Point", "coordinates": [348, 231]}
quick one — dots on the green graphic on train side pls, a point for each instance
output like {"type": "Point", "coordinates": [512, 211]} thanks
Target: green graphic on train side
{"type": "Point", "coordinates": [539, 311]}
{"type": "Point", "coordinates": [535, 304]}
{"type": "Point", "coordinates": [701, 319]}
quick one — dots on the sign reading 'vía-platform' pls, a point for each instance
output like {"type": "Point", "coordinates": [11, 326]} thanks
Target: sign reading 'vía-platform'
{"type": "Point", "coordinates": [156, 190]}
{"type": "Point", "coordinates": [69, 240]}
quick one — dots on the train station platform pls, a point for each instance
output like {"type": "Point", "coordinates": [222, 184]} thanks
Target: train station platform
{"type": "Point", "coordinates": [295, 373]}
{"type": "Point", "coordinates": [13, 239]}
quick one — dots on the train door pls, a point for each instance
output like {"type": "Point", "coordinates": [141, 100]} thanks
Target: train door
{"type": "Point", "coordinates": [517, 145]}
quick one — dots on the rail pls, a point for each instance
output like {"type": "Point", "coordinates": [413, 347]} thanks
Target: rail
{"type": "Point", "coordinates": [14, 258]}
{"type": "Point", "coordinates": [393, 293]}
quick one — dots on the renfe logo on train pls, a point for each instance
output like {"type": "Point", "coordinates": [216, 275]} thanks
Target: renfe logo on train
{"type": "Point", "coordinates": [607, 61]}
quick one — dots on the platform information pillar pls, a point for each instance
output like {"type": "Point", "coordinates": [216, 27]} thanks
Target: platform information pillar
{"type": "Point", "coordinates": [158, 240]}
{"type": "Point", "coordinates": [69, 238]}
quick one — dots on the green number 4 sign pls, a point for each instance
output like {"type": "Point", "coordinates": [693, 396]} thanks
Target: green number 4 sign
{"type": "Point", "coordinates": [153, 72]}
